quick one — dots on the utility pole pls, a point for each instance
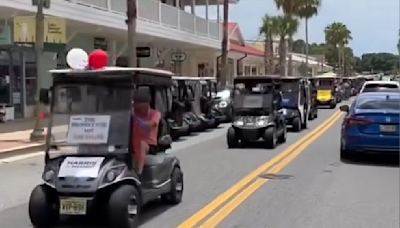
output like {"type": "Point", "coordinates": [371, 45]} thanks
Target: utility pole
{"type": "Point", "coordinates": [38, 131]}
{"type": "Point", "coordinates": [224, 44]}
{"type": "Point", "coordinates": [131, 23]}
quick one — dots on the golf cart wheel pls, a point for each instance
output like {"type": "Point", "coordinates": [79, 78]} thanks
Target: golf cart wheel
{"type": "Point", "coordinates": [124, 207]}
{"type": "Point", "coordinates": [305, 123]}
{"type": "Point", "coordinates": [282, 137]}
{"type": "Point", "coordinates": [231, 138]}
{"type": "Point", "coordinates": [316, 113]}
{"type": "Point", "coordinates": [43, 207]}
{"type": "Point", "coordinates": [296, 124]}
{"type": "Point", "coordinates": [174, 197]}
{"type": "Point", "coordinates": [270, 138]}
{"type": "Point", "coordinates": [333, 105]}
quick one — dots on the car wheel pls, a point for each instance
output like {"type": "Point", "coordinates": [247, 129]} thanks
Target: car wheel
{"type": "Point", "coordinates": [231, 138]}
{"type": "Point", "coordinates": [270, 138]}
{"type": "Point", "coordinates": [174, 197]}
{"type": "Point", "coordinates": [124, 207]}
{"type": "Point", "coordinates": [43, 207]}
{"type": "Point", "coordinates": [296, 122]}
{"type": "Point", "coordinates": [345, 155]}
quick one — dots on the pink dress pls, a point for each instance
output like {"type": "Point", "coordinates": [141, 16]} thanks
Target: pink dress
{"type": "Point", "coordinates": [145, 133]}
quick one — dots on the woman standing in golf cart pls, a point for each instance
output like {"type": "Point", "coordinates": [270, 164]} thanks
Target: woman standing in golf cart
{"type": "Point", "coordinates": [145, 125]}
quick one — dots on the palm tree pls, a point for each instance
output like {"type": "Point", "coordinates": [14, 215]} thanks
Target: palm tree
{"type": "Point", "coordinates": [131, 23]}
{"type": "Point", "coordinates": [303, 9]}
{"type": "Point", "coordinates": [292, 26]}
{"type": "Point", "coordinates": [269, 30]}
{"type": "Point", "coordinates": [338, 35]}
{"type": "Point", "coordinates": [225, 39]}
{"type": "Point", "coordinates": [286, 27]}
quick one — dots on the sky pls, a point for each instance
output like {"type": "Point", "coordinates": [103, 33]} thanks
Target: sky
{"type": "Point", "coordinates": [374, 24]}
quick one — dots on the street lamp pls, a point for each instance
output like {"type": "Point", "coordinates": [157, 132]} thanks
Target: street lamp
{"type": "Point", "coordinates": [38, 131]}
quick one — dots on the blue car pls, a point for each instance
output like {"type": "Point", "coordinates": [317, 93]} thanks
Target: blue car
{"type": "Point", "coordinates": [371, 125]}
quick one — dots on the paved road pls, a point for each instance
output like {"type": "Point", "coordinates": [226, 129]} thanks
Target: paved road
{"type": "Point", "coordinates": [317, 192]}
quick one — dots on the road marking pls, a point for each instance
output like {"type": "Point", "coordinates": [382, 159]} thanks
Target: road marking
{"type": "Point", "coordinates": [199, 216]}
{"type": "Point", "coordinates": [177, 146]}
{"type": "Point", "coordinates": [228, 208]}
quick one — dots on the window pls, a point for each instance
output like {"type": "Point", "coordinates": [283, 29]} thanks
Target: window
{"type": "Point", "coordinates": [254, 70]}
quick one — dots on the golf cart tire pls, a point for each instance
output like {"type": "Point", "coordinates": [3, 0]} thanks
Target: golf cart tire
{"type": "Point", "coordinates": [118, 202]}
{"type": "Point", "coordinates": [231, 138]}
{"type": "Point", "coordinates": [283, 136]}
{"type": "Point", "coordinates": [174, 197]}
{"type": "Point", "coordinates": [296, 124]}
{"type": "Point", "coordinates": [270, 137]}
{"type": "Point", "coordinates": [41, 209]}
{"type": "Point", "coordinates": [333, 105]}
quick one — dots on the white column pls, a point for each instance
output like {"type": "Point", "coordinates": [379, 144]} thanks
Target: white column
{"type": "Point", "coordinates": [208, 23]}
{"type": "Point", "coordinates": [192, 8]}
{"type": "Point", "coordinates": [218, 21]}
{"type": "Point", "coordinates": [177, 4]}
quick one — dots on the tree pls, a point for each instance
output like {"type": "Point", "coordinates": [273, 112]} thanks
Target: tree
{"type": "Point", "coordinates": [379, 62]}
{"type": "Point", "coordinates": [338, 35]}
{"type": "Point", "coordinates": [131, 23]}
{"type": "Point", "coordinates": [306, 10]}
{"type": "Point", "coordinates": [225, 38]}
{"type": "Point", "coordinates": [269, 30]}
{"type": "Point", "coordinates": [286, 27]}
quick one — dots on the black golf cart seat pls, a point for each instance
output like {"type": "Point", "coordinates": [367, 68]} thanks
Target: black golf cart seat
{"type": "Point", "coordinates": [158, 163]}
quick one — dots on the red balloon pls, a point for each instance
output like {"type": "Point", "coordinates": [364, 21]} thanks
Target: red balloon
{"type": "Point", "coordinates": [98, 59]}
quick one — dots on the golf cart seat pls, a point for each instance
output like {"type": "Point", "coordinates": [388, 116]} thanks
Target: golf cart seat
{"type": "Point", "coordinates": [157, 162]}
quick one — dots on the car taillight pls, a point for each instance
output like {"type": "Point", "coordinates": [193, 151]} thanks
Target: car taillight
{"type": "Point", "coordinates": [357, 121]}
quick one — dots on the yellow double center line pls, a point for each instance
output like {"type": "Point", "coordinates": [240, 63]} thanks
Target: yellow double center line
{"type": "Point", "coordinates": [238, 193]}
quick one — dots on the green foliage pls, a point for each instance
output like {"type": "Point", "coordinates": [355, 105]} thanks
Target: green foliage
{"type": "Point", "coordinates": [379, 62]}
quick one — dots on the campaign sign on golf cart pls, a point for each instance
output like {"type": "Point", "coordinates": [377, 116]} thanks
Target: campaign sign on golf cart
{"type": "Point", "coordinates": [80, 167]}
{"type": "Point", "coordinates": [88, 129]}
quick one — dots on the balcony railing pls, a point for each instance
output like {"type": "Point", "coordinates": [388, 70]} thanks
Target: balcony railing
{"type": "Point", "coordinates": [156, 12]}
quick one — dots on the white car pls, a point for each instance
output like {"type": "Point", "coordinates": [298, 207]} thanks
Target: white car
{"type": "Point", "coordinates": [380, 86]}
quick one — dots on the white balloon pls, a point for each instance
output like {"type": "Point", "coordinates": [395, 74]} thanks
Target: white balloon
{"type": "Point", "coordinates": [77, 59]}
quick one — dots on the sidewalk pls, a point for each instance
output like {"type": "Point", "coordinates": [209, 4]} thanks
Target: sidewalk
{"type": "Point", "coordinates": [16, 141]}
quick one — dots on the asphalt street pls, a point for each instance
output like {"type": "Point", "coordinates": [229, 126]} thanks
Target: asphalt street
{"type": "Point", "coordinates": [316, 190]}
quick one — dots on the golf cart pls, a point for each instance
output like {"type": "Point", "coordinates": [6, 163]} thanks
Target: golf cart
{"type": "Point", "coordinates": [186, 97]}
{"type": "Point", "coordinates": [175, 117]}
{"type": "Point", "coordinates": [92, 171]}
{"type": "Point", "coordinates": [256, 112]}
{"type": "Point", "coordinates": [209, 90]}
{"type": "Point", "coordinates": [327, 91]}
{"type": "Point", "coordinates": [191, 88]}
{"type": "Point", "coordinates": [295, 102]}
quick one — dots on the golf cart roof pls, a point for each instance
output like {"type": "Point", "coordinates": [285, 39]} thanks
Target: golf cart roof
{"type": "Point", "coordinates": [209, 79]}
{"type": "Point", "coordinates": [292, 78]}
{"type": "Point", "coordinates": [186, 78]}
{"type": "Point", "coordinates": [122, 75]}
{"type": "Point", "coordinates": [244, 79]}
{"type": "Point", "coordinates": [326, 77]}
{"type": "Point", "coordinates": [111, 72]}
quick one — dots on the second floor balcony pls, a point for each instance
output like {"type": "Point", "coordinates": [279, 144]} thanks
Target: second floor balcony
{"type": "Point", "coordinates": [154, 11]}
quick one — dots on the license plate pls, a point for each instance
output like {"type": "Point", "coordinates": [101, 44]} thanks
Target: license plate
{"type": "Point", "coordinates": [387, 128]}
{"type": "Point", "coordinates": [73, 206]}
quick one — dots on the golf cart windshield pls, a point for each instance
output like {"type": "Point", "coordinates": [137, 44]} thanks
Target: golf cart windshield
{"type": "Point", "coordinates": [290, 87]}
{"type": "Point", "coordinates": [253, 101]}
{"type": "Point", "coordinates": [97, 118]}
{"type": "Point", "coordinates": [326, 83]}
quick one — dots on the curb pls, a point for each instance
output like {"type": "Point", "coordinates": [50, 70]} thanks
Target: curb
{"type": "Point", "coordinates": [21, 150]}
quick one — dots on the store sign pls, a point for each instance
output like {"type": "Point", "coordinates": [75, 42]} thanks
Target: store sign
{"type": "Point", "coordinates": [100, 43]}
{"type": "Point", "coordinates": [143, 52]}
